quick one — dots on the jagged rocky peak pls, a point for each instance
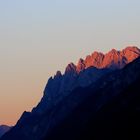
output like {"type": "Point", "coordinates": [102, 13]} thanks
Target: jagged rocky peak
{"type": "Point", "coordinates": [118, 59]}
{"type": "Point", "coordinates": [114, 51]}
{"type": "Point", "coordinates": [131, 53]}
{"type": "Point", "coordinates": [81, 65]}
{"type": "Point", "coordinates": [60, 85]}
{"type": "Point", "coordinates": [97, 54]}
{"type": "Point", "coordinates": [58, 74]}
{"type": "Point", "coordinates": [114, 59]}
{"type": "Point", "coordinates": [71, 68]}
{"type": "Point", "coordinates": [132, 48]}
{"type": "Point", "coordinates": [97, 59]}
{"type": "Point", "coordinates": [88, 61]}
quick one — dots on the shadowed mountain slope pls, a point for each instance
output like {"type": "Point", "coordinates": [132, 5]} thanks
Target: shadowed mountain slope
{"type": "Point", "coordinates": [111, 111]}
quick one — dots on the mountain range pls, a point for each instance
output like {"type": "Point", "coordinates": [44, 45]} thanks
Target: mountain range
{"type": "Point", "coordinates": [95, 99]}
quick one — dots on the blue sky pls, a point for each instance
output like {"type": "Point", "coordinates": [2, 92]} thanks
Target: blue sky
{"type": "Point", "coordinates": [39, 37]}
{"type": "Point", "coordinates": [93, 24]}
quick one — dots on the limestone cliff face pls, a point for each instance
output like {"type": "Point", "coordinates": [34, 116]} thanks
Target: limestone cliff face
{"type": "Point", "coordinates": [113, 59]}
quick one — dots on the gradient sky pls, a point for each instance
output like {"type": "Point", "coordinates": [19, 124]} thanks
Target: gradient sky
{"type": "Point", "coordinates": [39, 37]}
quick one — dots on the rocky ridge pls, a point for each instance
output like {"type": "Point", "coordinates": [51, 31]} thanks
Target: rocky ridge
{"type": "Point", "coordinates": [84, 73]}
